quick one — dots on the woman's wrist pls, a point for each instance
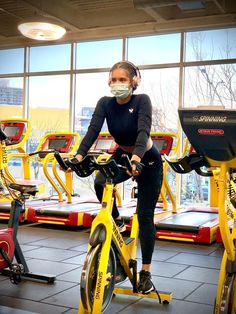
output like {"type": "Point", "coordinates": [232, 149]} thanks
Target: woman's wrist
{"type": "Point", "coordinates": [135, 158]}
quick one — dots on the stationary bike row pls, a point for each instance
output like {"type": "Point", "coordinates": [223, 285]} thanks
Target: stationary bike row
{"type": "Point", "coordinates": [9, 245]}
{"type": "Point", "coordinates": [110, 258]}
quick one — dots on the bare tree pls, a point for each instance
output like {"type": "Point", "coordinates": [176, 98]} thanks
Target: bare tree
{"type": "Point", "coordinates": [212, 84]}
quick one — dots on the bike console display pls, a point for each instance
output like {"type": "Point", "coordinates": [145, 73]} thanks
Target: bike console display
{"type": "Point", "coordinates": [13, 131]}
{"type": "Point", "coordinates": [163, 143]}
{"type": "Point", "coordinates": [59, 143]}
{"type": "Point", "coordinates": [211, 131]}
{"type": "Point", "coordinates": [104, 143]}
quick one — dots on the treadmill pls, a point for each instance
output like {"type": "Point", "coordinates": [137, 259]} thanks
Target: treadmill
{"type": "Point", "coordinates": [81, 211]}
{"type": "Point", "coordinates": [45, 209]}
{"type": "Point", "coordinates": [194, 225]}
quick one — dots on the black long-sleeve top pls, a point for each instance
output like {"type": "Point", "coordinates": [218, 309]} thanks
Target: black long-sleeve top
{"type": "Point", "coordinates": [129, 124]}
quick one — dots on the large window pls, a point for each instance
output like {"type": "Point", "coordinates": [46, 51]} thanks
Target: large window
{"type": "Point", "coordinates": [162, 87]}
{"type": "Point", "coordinates": [89, 88]}
{"type": "Point", "coordinates": [154, 49]}
{"type": "Point", "coordinates": [11, 61]}
{"type": "Point", "coordinates": [211, 45]}
{"type": "Point", "coordinates": [208, 81]}
{"type": "Point", "coordinates": [11, 87]}
{"type": "Point", "coordinates": [11, 97]}
{"type": "Point", "coordinates": [98, 54]}
{"type": "Point", "coordinates": [49, 103]}
{"type": "Point", "coordinates": [49, 98]}
{"type": "Point", "coordinates": [210, 85]}
{"type": "Point", "coordinates": [54, 84]}
{"type": "Point", "coordinates": [50, 58]}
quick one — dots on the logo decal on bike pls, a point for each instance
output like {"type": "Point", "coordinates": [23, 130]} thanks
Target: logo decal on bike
{"type": "Point", "coordinates": [117, 235]}
{"type": "Point", "coordinates": [210, 118]}
{"type": "Point", "coordinates": [210, 131]}
{"type": "Point", "coordinates": [99, 283]}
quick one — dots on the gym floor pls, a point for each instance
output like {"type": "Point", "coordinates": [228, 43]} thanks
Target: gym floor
{"type": "Point", "coordinates": [190, 271]}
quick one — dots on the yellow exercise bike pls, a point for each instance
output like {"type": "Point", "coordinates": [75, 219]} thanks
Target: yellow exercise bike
{"type": "Point", "coordinates": [211, 131]}
{"type": "Point", "coordinates": [12, 260]}
{"type": "Point", "coordinates": [110, 258]}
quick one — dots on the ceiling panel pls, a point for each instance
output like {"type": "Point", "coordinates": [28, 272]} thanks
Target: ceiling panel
{"type": "Point", "coordinates": [103, 18]}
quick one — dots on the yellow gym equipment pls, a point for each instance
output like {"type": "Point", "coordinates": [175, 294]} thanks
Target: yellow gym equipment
{"type": "Point", "coordinates": [211, 131]}
{"type": "Point", "coordinates": [111, 258]}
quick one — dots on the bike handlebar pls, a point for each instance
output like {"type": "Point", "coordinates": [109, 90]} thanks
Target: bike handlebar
{"type": "Point", "coordinates": [190, 162]}
{"type": "Point", "coordinates": [61, 161]}
{"type": "Point", "coordinates": [89, 164]}
{"type": "Point", "coordinates": [42, 152]}
{"type": "Point", "coordinates": [3, 136]}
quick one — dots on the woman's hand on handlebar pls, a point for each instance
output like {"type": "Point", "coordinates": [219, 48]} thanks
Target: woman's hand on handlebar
{"type": "Point", "coordinates": [65, 170]}
{"type": "Point", "coordinates": [79, 157]}
{"type": "Point", "coordinates": [137, 167]}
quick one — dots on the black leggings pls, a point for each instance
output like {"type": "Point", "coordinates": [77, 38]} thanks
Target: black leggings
{"type": "Point", "coordinates": [149, 187]}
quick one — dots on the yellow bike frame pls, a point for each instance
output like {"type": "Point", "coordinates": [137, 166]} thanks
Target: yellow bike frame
{"type": "Point", "coordinates": [228, 237]}
{"type": "Point", "coordinates": [126, 251]}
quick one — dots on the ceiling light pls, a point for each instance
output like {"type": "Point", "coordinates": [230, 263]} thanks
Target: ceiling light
{"type": "Point", "coordinates": [41, 29]}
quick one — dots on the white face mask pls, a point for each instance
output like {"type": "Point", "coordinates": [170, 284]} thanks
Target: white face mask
{"type": "Point", "coordinates": [121, 90]}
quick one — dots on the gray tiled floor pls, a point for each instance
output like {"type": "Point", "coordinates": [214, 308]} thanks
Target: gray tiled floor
{"type": "Point", "coordinates": [190, 271]}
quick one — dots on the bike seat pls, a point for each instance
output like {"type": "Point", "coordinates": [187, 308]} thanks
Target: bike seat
{"type": "Point", "coordinates": [24, 189]}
